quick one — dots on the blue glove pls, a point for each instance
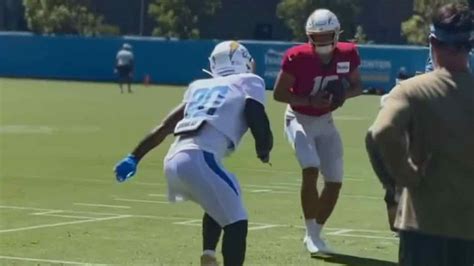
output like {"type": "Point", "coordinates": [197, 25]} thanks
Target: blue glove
{"type": "Point", "coordinates": [126, 168]}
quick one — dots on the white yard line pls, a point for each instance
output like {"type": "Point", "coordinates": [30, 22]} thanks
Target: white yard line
{"type": "Point", "coordinates": [102, 205]}
{"type": "Point", "coordinates": [46, 212]}
{"type": "Point", "coordinates": [192, 222]}
{"type": "Point", "coordinates": [260, 190]}
{"type": "Point", "coordinates": [288, 184]}
{"type": "Point", "coordinates": [97, 213]}
{"type": "Point", "coordinates": [351, 118]}
{"type": "Point", "coordinates": [142, 201]}
{"type": "Point", "coordinates": [252, 226]}
{"type": "Point", "coordinates": [286, 172]}
{"type": "Point", "coordinates": [261, 227]}
{"type": "Point", "coordinates": [63, 223]}
{"type": "Point", "coordinates": [268, 186]}
{"type": "Point", "coordinates": [86, 180]}
{"type": "Point", "coordinates": [68, 216]}
{"type": "Point", "coordinates": [47, 260]}
{"type": "Point", "coordinates": [367, 236]}
{"type": "Point", "coordinates": [158, 195]}
{"type": "Point", "coordinates": [340, 232]}
{"type": "Point", "coordinates": [284, 192]}
{"type": "Point", "coordinates": [54, 213]}
{"type": "Point", "coordinates": [363, 197]}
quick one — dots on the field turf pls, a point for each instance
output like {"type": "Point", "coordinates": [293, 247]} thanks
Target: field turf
{"type": "Point", "coordinates": [60, 204]}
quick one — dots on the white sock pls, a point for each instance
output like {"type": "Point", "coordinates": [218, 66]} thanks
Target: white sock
{"type": "Point", "coordinates": [211, 253]}
{"type": "Point", "coordinates": [319, 228]}
{"type": "Point", "coordinates": [310, 226]}
{"type": "Point", "coordinates": [313, 228]}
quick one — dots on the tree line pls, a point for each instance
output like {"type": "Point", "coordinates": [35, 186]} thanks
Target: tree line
{"type": "Point", "coordinates": [180, 18]}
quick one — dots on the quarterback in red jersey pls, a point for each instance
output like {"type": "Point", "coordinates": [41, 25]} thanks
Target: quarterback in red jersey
{"type": "Point", "coordinates": [315, 79]}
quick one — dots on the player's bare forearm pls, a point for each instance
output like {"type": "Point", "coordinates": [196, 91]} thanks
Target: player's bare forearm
{"type": "Point", "coordinates": [159, 133]}
{"type": "Point", "coordinates": [291, 99]}
{"type": "Point", "coordinates": [281, 92]}
{"type": "Point", "coordinates": [355, 84]}
{"type": "Point", "coordinates": [259, 125]}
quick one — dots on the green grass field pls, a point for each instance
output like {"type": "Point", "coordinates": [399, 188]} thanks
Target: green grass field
{"type": "Point", "coordinates": [60, 140]}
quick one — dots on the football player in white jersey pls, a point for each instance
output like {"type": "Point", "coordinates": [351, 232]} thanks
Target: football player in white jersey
{"type": "Point", "coordinates": [209, 124]}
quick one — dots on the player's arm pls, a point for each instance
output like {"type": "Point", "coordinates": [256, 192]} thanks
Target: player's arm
{"type": "Point", "coordinates": [281, 93]}
{"type": "Point", "coordinates": [159, 133]}
{"type": "Point", "coordinates": [355, 84]}
{"type": "Point", "coordinates": [388, 134]}
{"type": "Point", "coordinates": [127, 167]}
{"type": "Point", "coordinates": [259, 125]}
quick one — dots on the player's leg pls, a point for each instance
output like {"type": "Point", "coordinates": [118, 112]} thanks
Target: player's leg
{"type": "Point", "coordinates": [329, 146]}
{"type": "Point", "coordinates": [120, 73]}
{"type": "Point", "coordinates": [308, 159]}
{"type": "Point", "coordinates": [211, 232]}
{"type": "Point", "coordinates": [129, 79]}
{"type": "Point", "coordinates": [120, 82]}
{"type": "Point", "coordinates": [218, 193]}
{"type": "Point", "coordinates": [226, 206]}
{"type": "Point", "coordinates": [234, 243]}
{"type": "Point", "coordinates": [178, 190]}
{"type": "Point", "coordinates": [327, 201]}
{"type": "Point", "coordinates": [309, 192]}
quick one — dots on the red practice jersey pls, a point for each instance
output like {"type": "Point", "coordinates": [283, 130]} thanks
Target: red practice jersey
{"type": "Point", "coordinates": [311, 75]}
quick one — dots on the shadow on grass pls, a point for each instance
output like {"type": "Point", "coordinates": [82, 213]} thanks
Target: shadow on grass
{"type": "Point", "coordinates": [353, 260]}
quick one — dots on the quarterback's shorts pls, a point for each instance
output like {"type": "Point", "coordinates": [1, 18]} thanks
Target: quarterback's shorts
{"type": "Point", "coordinates": [317, 143]}
{"type": "Point", "coordinates": [196, 175]}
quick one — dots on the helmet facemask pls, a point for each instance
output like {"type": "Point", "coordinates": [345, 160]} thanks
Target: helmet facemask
{"type": "Point", "coordinates": [324, 42]}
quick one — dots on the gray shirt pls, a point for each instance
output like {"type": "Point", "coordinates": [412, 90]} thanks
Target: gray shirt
{"type": "Point", "coordinates": [124, 58]}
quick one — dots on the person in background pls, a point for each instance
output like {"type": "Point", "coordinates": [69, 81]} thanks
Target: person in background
{"type": "Point", "coordinates": [124, 66]}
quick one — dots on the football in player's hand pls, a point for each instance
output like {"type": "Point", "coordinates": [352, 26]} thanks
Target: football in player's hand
{"type": "Point", "coordinates": [337, 92]}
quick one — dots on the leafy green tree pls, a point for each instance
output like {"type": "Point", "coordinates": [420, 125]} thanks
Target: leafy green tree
{"type": "Point", "coordinates": [295, 13]}
{"type": "Point", "coordinates": [179, 18]}
{"type": "Point", "coordinates": [416, 28]}
{"type": "Point", "coordinates": [65, 17]}
{"type": "Point", "coordinates": [360, 36]}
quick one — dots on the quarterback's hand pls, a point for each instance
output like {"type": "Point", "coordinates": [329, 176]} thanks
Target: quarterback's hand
{"type": "Point", "coordinates": [320, 100]}
{"type": "Point", "coordinates": [336, 90]}
{"type": "Point", "coordinates": [126, 168]}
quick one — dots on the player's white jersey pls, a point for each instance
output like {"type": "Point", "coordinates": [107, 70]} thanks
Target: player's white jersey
{"type": "Point", "coordinates": [124, 57]}
{"type": "Point", "coordinates": [219, 102]}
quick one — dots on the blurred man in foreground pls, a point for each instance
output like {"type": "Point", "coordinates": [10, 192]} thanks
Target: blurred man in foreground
{"type": "Point", "coordinates": [424, 137]}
